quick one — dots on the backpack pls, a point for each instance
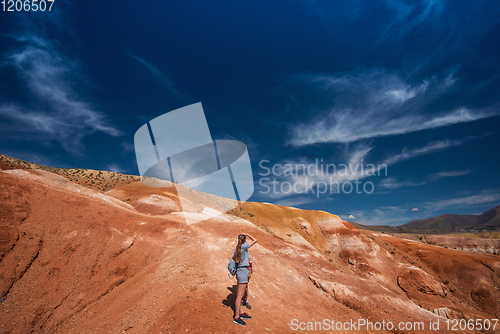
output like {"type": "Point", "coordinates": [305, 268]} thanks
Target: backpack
{"type": "Point", "coordinates": [232, 267]}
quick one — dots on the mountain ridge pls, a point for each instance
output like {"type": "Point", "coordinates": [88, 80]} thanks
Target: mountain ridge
{"type": "Point", "coordinates": [78, 259]}
{"type": "Point", "coordinates": [490, 219]}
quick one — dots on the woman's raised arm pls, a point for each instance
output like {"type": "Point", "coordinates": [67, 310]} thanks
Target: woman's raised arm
{"type": "Point", "coordinates": [254, 240]}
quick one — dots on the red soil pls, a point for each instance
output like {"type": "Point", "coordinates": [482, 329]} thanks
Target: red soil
{"type": "Point", "coordinates": [76, 260]}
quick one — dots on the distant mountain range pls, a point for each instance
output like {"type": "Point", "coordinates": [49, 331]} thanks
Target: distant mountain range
{"type": "Point", "coordinates": [486, 222]}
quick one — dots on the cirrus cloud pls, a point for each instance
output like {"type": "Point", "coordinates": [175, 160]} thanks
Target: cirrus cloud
{"type": "Point", "coordinates": [53, 106]}
{"type": "Point", "coordinates": [375, 104]}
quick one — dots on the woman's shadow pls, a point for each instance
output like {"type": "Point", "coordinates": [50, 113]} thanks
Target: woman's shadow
{"type": "Point", "coordinates": [231, 298]}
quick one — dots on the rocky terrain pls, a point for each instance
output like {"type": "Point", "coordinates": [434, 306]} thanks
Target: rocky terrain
{"type": "Point", "coordinates": [93, 179]}
{"type": "Point", "coordinates": [119, 257]}
{"type": "Point", "coordinates": [473, 242]}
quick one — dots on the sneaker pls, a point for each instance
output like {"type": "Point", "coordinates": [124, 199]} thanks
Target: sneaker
{"type": "Point", "coordinates": [245, 316]}
{"type": "Point", "coordinates": [238, 321]}
{"type": "Point", "coordinates": [247, 304]}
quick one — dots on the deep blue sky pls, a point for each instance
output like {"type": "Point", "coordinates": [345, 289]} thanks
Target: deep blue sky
{"type": "Point", "coordinates": [413, 85]}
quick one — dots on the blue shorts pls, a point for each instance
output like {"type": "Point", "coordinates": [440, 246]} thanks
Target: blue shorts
{"type": "Point", "coordinates": [242, 275]}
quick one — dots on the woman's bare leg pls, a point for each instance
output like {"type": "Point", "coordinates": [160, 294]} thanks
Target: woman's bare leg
{"type": "Point", "coordinates": [245, 296]}
{"type": "Point", "coordinates": [240, 290]}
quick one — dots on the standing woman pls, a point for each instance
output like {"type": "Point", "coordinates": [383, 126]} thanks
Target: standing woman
{"type": "Point", "coordinates": [241, 257]}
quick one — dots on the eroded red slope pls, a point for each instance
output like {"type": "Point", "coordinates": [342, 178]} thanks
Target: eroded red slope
{"type": "Point", "coordinates": [75, 260]}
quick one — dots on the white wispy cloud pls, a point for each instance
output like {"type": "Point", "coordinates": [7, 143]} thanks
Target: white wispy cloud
{"type": "Point", "coordinates": [53, 107]}
{"type": "Point", "coordinates": [295, 201]}
{"type": "Point", "coordinates": [354, 157]}
{"type": "Point", "coordinates": [163, 78]}
{"type": "Point", "coordinates": [408, 16]}
{"type": "Point", "coordinates": [451, 173]}
{"type": "Point", "coordinates": [300, 180]}
{"type": "Point", "coordinates": [391, 215]}
{"type": "Point", "coordinates": [392, 182]}
{"type": "Point", "coordinates": [115, 168]}
{"type": "Point", "coordinates": [128, 147]}
{"type": "Point", "coordinates": [400, 17]}
{"type": "Point", "coordinates": [431, 147]}
{"type": "Point", "coordinates": [465, 201]}
{"type": "Point", "coordinates": [353, 161]}
{"type": "Point", "coordinates": [415, 209]}
{"type": "Point", "coordinates": [376, 103]}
